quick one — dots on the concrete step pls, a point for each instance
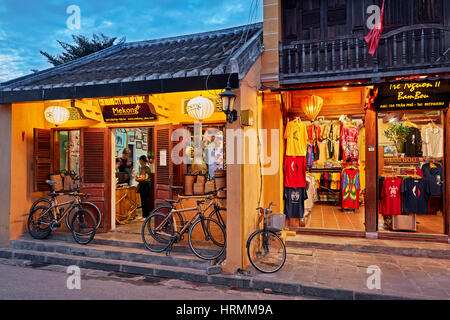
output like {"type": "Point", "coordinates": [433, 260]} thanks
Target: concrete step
{"type": "Point", "coordinates": [420, 249]}
{"type": "Point", "coordinates": [109, 252]}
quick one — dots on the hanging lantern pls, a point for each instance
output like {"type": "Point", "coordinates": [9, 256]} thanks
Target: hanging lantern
{"type": "Point", "coordinates": [311, 106]}
{"type": "Point", "coordinates": [57, 115]}
{"type": "Point", "coordinates": [200, 108]}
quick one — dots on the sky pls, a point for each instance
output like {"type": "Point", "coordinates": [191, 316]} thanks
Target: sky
{"type": "Point", "coordinates": [28, 26]}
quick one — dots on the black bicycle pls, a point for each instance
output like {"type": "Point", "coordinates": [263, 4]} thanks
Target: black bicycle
{"type": "Point", "coordinates": [266, 251]}
{"type": "Point", "coordinates": [45, 219]}
{"type": "Point", "coordinates": [53, 200]}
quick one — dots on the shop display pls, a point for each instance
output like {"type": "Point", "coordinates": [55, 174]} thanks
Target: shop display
{"type": "Point", "coordinates": [350, 188]}
{"type": "Point", "coordinates": [294, 202]}
{"type": "Point", "coordinates": [349, 142]}
{"type": "Point", "coordinates": [295, 172]}
{"type": "Point", "coordinates": [432, 141]}
{"type": "Point", "coordinates": [433, 173]}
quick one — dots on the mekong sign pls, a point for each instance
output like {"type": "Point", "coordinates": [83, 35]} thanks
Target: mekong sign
{"type": "Point", "coordinates": [127, 109]}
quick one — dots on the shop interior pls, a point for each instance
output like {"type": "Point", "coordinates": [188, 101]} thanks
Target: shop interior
{"type": "Point", "coordinates": [335, 159]}
{"type": "Point", "coordinates": [197, 174]}
{"type": "Point", "coordinates": [411, 175]}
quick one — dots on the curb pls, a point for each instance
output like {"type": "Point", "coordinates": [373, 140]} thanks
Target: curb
{"type": "Point", "coordinates": [200, 276]}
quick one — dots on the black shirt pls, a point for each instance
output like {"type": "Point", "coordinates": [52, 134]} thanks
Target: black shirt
{"type": "Point", "coordinates": [416, 192]}
{"type": "Point", "coordinates": [413, 143]}
{"type": "Point", "coordinates": [434, 177]}
{"type": "Point", "coordinates": [125, 166]}
{"type": "Point", "coordinates": [294, 202]}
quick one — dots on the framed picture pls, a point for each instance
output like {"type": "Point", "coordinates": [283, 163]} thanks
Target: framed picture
{"type": "Point", "coordinates": [145, 139]}
{"type": "Point", "coordinates": [131, 139]}
{"type": "Point", "coordinates": [139, 145]}
{"type": "Point", "coordinates": [144, 146]}
{"type": "Point", "coordinates": [138, 135]}
{"type": "Point", "coordinates": [121, 140]}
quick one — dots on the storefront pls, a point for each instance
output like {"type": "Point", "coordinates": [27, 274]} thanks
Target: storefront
{"type": "Point", "coordinates": [120, 99]}
{"type": "Point", "coordinates": [370, 163]}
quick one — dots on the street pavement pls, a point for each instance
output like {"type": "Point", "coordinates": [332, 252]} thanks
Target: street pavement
{"type": "Point", "coordinates": [50, 283]}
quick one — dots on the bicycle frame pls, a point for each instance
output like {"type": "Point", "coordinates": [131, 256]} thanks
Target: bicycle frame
{"type": "Point", "coordinates": [73, 204]}
{"type": "Point", "coordinates": [199, 213]}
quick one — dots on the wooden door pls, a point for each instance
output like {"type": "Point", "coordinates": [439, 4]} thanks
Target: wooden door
{"type": "Point", "coordinates": [164, 166]}
{"type": "Point", "coordinates": [96, 171]}
{"type": "Point", "coordinates": [42, 155]}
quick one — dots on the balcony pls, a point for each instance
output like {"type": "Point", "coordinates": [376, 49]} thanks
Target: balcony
{"type": "Point", "coordinates": [418, 49]}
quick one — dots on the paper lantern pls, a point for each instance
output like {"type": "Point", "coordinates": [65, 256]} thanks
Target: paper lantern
{"type": "Point", "coordinates": [57, 115]}
{"type": "Point", "coordinates": [311, 106]}
{"type": "Point", "coordinates": [200, 108]}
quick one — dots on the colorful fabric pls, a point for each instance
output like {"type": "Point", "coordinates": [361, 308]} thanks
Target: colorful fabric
{"type": "Point", "coordinates": [350, 188]}
{"type": "Point", "coordinates": [349, 143]}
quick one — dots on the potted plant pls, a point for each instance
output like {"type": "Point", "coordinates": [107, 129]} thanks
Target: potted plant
{"type": "Point", "coordinates": [397, 133]}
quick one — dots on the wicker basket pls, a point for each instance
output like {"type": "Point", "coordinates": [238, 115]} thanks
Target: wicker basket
{"type": "Point", "coordinates": [275, 222]}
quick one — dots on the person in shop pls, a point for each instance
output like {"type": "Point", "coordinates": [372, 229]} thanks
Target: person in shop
{"type": "Point", "coordinates": [126, 165]}
{"type": "Point", "coordinates": [144, 187]}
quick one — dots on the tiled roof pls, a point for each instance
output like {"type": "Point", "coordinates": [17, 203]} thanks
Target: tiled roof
{"type": "Point", "coordinates": [232, 50]}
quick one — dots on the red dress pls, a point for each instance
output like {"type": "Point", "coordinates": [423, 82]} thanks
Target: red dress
{"type": "Point", "coordinates": [391, 196]}
{"type": "Point", "coordinates": [350, 188]}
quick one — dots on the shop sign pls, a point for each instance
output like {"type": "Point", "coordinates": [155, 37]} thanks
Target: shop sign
{"type": "Point", "coordinates": [413, 95]}
{"type": "Point", "coordinates": [127, 109]}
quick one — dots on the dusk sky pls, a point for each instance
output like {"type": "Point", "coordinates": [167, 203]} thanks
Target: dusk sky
{"type": "Point", "coordinates": [28, 26]}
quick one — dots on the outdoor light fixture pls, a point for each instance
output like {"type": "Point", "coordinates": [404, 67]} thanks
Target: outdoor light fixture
{"type": "Point", "coordinates": [200, 108]}
{"type": "Point", "coordinates": [311, 106]}
{"type": "Point", "coordinates": [228, 98]}
{"type": "Point", "coordinates": [57, 115]}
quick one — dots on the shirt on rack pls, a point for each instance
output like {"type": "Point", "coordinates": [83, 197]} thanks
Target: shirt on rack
{"type": "Point", "coordinates": [434, 175]}
{"type": "Point", "coordinates": [413, 143]}
{"type": "Point", "coordinates": [294, 202]}
{"type": "Point", "coordinates": [294, 172]}
{"type": "Point", "coordinates": [296, 137]}
{"type": "Point", "coordinates": [433, 142]}
{"type": "Point", "coordinates": [391, 196]}
{"type": "Point", "coordinates": [349, 143]}
{"type": "Point", "coordinates": [350, 188]}
{"type": "Point", "coordinates": [322, 152]}
{"type": "Point", "coordinates": [415, 196]}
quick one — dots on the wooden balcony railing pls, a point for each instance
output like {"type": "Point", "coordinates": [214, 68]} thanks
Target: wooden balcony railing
{"type": "Point", "coordinates": [418, 49]}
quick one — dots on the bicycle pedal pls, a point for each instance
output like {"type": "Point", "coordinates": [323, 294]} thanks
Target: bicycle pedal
{"type": "Point", "coordinates": [54, 225]}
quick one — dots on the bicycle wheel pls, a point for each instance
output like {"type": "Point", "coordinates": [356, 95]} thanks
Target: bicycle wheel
{"type": "Point", "coordinates": [179, 221]}
{"type": "Point", "coordinates": [207, 239]}
{"type": "Point", "coordinates": [89, 206]}
{"type": "Point", "coordinates": [43, 202]}
{"type": "Point", "coordinates": [39, 222]}
{"type": "Point", "coordinates": [83, 226]}
{"type": "Point", "coordinates": [266, 251]}
{"type": "Point", "coordinates": [218, 216]}
{"type": "Point", "coordinates": [157, 232]}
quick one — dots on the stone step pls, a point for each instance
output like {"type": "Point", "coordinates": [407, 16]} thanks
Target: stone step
{"type": "Point", "coordinates": [109, 252]}
{"type": "Point", "coordinates": [420, 249]}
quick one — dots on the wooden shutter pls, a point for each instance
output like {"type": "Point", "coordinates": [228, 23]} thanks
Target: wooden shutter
{"type": "Point", "coordinates": [164, 165]}
{"type": "Point", "coordinates": [42, 158]}
{"type": "Point", "coordinates": [96, 171]}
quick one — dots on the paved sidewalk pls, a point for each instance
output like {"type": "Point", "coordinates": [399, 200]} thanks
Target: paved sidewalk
{"type": "Point", "coordinates": [344, 273]}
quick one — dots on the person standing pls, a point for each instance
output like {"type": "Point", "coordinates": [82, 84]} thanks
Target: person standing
{"type": "Point", "coordinates": [126, 164]}
{"type": "Point", "coordinates": [144, 187]}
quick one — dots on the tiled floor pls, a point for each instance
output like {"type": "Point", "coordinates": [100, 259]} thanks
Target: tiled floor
{"type": "Point", "coordinates": [324, 216]}
{"type": "Point", "coordinates": [428, 224]}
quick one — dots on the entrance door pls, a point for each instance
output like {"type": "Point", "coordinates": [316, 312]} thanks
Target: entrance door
{"type": "Point", "coordinates": [95, 170]}
{"type": "Point", "coordinates": [164, 165]}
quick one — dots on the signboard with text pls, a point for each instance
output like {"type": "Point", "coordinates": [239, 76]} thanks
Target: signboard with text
{"type": "Point", "coordinates": [413, 95]}
{"type": "Point", "coordinates": [127, 109]}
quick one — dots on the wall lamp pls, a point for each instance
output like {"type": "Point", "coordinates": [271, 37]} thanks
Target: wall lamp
{"type": "Point", "coordinates": [228, 98]}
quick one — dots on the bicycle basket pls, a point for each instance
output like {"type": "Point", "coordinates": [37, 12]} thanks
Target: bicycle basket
{"type": "Point", "coordinates": [275, 222]}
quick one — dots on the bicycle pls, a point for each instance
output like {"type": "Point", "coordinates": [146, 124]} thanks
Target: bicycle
{"type": "Point", "coordinates": [45, 202]}
{"type": "Point", "coordinates": [206, 236]}
{"type": "Point", "coordinates": [43, 220]}
{"type": "Point", "coordinates": [265, 249]}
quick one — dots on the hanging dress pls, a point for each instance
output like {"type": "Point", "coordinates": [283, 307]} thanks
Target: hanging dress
{"type": "Point", "coordinates": [350, 188]}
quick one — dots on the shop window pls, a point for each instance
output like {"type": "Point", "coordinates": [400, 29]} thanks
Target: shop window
{"type": "Point", "coordinates": [213, 151]}
{"type": "Point", "coordinates": [411, 174]}
{"type": "Point", "coordinates": [67, 151]}
{"type": "Point", "coordinates": [427, 11]}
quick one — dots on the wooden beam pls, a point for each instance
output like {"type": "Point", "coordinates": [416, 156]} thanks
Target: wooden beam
{"type": "Point", "coordinates": [371, 194]}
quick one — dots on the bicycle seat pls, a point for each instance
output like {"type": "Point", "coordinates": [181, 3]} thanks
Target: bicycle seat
{"type": "Point", "coordinates": [51, 183]}
{"type": "Point", "coordinates": [176, 188]}
{"type": "Point", "coordinates": [171, 201]}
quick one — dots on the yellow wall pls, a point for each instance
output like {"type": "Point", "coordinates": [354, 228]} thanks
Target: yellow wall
{"type": "Point", "coordinates": [25, 117]}
{"type": "Point", "coordinates": [5, 173]}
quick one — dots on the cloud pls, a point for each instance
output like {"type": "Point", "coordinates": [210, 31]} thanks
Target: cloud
{"type": "Point", "coordinates": [10, 66]}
